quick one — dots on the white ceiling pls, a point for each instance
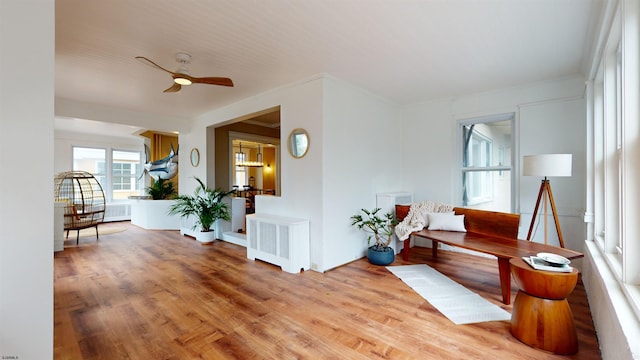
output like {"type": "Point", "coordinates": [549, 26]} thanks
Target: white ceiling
{"type": "Point", "coordinates": [403, 50]}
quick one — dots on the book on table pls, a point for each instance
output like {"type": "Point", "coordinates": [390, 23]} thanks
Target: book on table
{"type": "Point", "coordinates": [541, 264]}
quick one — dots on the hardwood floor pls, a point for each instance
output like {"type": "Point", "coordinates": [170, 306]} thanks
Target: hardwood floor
{"type": "Point", "coordinates": [142, 294]}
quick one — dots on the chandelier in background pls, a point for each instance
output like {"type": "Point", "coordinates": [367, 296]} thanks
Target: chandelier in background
{"type": "Point", "coordinates": [241, 159]}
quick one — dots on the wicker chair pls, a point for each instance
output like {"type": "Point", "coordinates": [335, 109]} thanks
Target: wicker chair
{"type": "Point", "coordinates": [85, 200]}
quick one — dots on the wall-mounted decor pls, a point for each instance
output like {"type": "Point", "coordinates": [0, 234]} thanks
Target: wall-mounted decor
{"type": "Point", "coordinates": [298, 143]}
{"type": "Point", "coordinates": [195, 157]}
{"type": "Point", "coordinates": [165, 168]}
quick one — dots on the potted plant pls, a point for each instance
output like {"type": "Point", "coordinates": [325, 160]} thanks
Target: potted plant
{"type": "Point", "coordinates": [206, 205]}
{"type": "Point", "coordinates": [379, 227]}
{"type": "Point", "coordinates": [150, 212]}
{"type": "Point", "coordinates": [161, 189]}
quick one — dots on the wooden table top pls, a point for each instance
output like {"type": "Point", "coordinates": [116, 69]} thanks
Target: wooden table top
{"type": "Point", "coordinates": [541, 283]}
{"type": "Point", "coordinates": [500, 247]}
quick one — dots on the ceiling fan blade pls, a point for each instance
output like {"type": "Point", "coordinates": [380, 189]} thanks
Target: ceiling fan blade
{"type": "Point", "coordinates": [212, 81]}
{"type": "Point", "coordinates": [174, 88]}
{"type": "Point", "coordinates": [151, 63]}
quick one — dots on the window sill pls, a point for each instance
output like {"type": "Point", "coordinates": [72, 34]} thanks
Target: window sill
{"type": "Point", "coordinates": [633, 294]}
{"type": "Point", "coordinates": [623, 303]}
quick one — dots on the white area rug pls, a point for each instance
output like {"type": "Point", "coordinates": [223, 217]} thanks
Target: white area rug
{"type": "Point", "coordinates": [453, 300]}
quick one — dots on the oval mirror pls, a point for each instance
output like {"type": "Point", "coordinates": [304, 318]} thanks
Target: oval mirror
{"type": "Point", "coordinates": [298, 143]}
{"type": "Point", "coordinates": [195, 157]}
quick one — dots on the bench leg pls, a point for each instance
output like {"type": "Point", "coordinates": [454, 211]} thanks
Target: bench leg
{"type": "Point", "coordinates": [434, 249]}
{"type": "Point", "coordinates": [505, 279]}
{"type": "Point", "coordinates": [405, 249]}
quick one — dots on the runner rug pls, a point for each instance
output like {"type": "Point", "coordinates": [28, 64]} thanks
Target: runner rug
{"type": "Point", "coordinates": [453, 300]}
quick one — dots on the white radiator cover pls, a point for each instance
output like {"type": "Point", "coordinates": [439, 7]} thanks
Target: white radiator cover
{"type": "Point", "coordinates": [119, 211]}
{"type": "Point", "coordinates": [279, 240]}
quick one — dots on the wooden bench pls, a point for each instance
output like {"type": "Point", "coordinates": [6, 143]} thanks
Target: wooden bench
{"type": "Point", "coordinates": [488, 232]}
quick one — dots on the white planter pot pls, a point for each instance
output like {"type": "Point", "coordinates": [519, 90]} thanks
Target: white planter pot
{"type": "Point", "coordinates": [205, 236]}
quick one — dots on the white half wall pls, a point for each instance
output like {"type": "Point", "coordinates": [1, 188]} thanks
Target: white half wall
{"type": "Point", "coordinates": [26, 195]}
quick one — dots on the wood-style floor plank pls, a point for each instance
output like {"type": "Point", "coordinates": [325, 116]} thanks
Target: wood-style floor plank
{"type": "Point", "coordinates": [141, 294]}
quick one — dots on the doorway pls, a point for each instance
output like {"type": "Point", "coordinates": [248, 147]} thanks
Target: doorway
{"type": "Point", "coordinates": [257, 133]}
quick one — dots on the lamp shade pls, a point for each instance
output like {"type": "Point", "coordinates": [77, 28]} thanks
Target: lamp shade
{"type": "Point", "coordinates": [547, 165]}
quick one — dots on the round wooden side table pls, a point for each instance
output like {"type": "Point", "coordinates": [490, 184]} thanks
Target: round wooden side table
{"type": "Point", "coordinates": [541, 316]}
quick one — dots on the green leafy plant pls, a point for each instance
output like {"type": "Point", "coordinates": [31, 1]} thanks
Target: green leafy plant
{"type": "Point", "coordinates": [161, 189]}
{"type": "Point", "coordinates": [380, 227]}
{"type": "Point", "coordinates": [206, 204]}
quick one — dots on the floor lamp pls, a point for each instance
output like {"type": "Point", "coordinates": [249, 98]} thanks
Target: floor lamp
{"type": "Point", "coordinates": [546, 165]}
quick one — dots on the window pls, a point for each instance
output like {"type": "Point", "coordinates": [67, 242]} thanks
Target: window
{"type": "Point", "coordinates": [240, 176]}
{"type": "Point", "coordinates": [126, 171]}
{"type": "Point", "coordinates": [618, 122]}
{"type": "Point", "coordinates": [118, 171]}
{"type": "Point", "coordinates": [614, 100]}
{"type": "Point", "coordinates": [92, 160]}
{"type": "Point", "coordinates": [609, 155]}
{"type": "Point", "coordinates": [486, 163]}
{"type": "Point", "coordinates": [477, 185]}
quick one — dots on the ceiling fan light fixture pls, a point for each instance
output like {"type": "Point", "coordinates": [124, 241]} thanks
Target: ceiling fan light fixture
{"type": "Point", "coordinates": [181, 77]}
{"type": "Point", "coordinates": [181, 80]}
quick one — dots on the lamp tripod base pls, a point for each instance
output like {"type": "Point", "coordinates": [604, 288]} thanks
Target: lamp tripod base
{"type": "Point", "coordinates": [545, 191]}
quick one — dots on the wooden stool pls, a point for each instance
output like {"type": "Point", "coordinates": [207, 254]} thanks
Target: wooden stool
{"type": "Point", "coordinates": [541, 316]}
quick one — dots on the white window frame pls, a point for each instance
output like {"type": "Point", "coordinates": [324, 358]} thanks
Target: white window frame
{"type": "Point", "coordinates": [498, 169]}
{"type": "Point", "coordinates": [481, 183]}
{"type": "Point", "coordinates": [138, 185]}
{"type": "Point", "coordinates": [106, 179]}
{"type": "Point", "coordinates": [100, 176]}
{"type": "Point", "coordinates": [616, 132]}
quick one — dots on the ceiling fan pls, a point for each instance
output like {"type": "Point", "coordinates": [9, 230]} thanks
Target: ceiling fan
{"type": "Point", "coordinates": [181, 76]}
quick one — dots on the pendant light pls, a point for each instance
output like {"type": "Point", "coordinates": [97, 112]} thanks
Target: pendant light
{"type": "Point", "coordinates": [241, 159]}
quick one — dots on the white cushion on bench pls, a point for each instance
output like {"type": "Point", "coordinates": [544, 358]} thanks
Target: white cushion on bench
{"type": "Point", "coordinates": [446, 221]}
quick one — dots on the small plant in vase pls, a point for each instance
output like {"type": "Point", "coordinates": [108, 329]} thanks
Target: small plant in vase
{"type": "Point", "coordinates": [206, 205]}
{"type": "Point", "coordinates": [161, 189]}
{"type": "Point", "coordinates": [379, 227]}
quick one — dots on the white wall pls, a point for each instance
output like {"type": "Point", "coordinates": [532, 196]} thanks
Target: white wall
{"type": "Point", "coordinates": [26, 155]}
{"type": "Point", "coordinates": [360, 159]}
{"type": "Point", "coordinates": [555, 127]}
{"type": "Point", "coordinates": [188, 172]}
{"type": "Point", "coordinates": [341, 120]}
{"type": "Point", "coordinates": [556, 108]}
{"type": "Point", "coordinates": [428, 151]}
{"type": "Point", "coordinates": [300, 107]}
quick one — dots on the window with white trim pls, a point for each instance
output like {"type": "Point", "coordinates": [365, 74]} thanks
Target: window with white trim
{"type": "Point", "coordinates": [616, 134]}
{"type": "Point", "coordinates": [118, 171]}
{"type": "Point", "coordinates": [91, 160]}
{"type": "Point", "coordinates": [125, 174]}
{"type": "Point", "coordinates": [486, 145]}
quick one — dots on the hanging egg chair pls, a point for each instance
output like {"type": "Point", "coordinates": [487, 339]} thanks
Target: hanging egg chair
{"type": "Point", "coordinates": [84, 198]}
